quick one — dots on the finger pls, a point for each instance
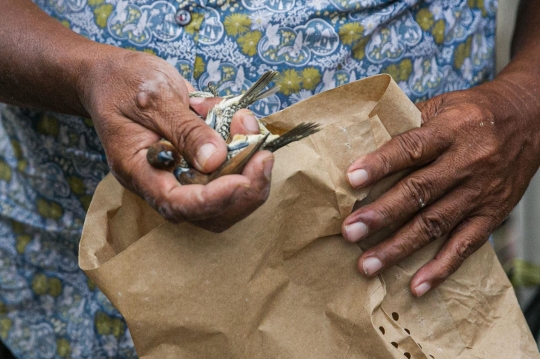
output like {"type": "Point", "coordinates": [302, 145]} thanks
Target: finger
{"type": "Point", "coordinates": [192, 203]}
{"type": "Point", "coordinates": [259, 171]}
{"type": "Point", "coordinates": [412, 148]}
{"type": "Point", "coordinates": [434, 222]}
{"type": "Point", "coordinates": [202, 105]}
{"type": "Point", "coordinates": [199, 144]}
{"type": "Point", "coordinates": [464, 241]}
{"type": "Point", "coordinates": [179, 203]}
{"type": "Point", "coordinates": [401, 202]}
{"type": "Point", "coordinates": [244, 122]}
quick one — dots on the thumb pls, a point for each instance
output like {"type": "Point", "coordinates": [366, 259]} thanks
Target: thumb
{"type": "Point", "coordinates": [200, 145]}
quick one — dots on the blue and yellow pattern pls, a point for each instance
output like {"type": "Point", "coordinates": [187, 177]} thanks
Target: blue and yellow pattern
{"type": "Point", "coordinates": [50, 163]}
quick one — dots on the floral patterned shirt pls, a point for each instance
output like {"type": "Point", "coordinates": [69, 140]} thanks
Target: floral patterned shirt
{"type": "Point", "coordinates": [50, 163]}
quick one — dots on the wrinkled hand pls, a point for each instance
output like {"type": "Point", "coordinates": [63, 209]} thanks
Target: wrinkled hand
{"type": "Point", "coordinates": [472, 160]}
{"type": "Point", "coordinates": [134, 100]}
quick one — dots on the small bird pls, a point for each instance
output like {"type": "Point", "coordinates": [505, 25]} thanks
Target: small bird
{"type": "Point", "coordinates": [241, 148]}
{"type": "Point", "coordinates": [237, 162]}
{"type": "Point", "coordinates": [225, 110]}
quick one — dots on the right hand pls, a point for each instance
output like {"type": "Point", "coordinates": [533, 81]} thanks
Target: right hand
{"type": "Point", "coordinates": [134, 100]}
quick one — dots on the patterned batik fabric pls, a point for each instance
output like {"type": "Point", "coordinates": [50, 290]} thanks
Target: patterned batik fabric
{"type": "Point", "coordinates": [50, 164]}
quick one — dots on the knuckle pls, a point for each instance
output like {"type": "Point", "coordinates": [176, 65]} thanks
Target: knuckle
{"type": "Point", "coordinates": [430, 108]}
{"type": "Point", "coordinates": [432, 225]}
{"type": "Point", "coordinates": [464, 249]}
{"type": "Point", "coordinates": [412, 145]}
{"type": "Point", "coordinates": [384, 215]}
{"type": "Point", "coordinates": [475, 112]}
{"type": "Point", "coordinates": [461, 252]}
{"type": "Point", "coordinates": [385, 162]}
{"type": "Point", "coordinates": [418, 189]}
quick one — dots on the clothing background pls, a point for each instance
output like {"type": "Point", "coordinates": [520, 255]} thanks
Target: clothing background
{"type": "Point", "coordinates": [50, 163]}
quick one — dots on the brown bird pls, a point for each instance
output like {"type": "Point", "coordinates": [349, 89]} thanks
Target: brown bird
{"type": "Point", "coordinates": [218, 118]}
{"type": "Point", "coordinates": [236, 164]}
{"type": "Point", "coordinates": [241, 149]}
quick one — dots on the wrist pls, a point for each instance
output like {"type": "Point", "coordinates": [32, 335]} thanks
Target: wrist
{"type": "Point", "coordinates": [90, 68]}
{"type": "Point", "coordinates": [517, 91]}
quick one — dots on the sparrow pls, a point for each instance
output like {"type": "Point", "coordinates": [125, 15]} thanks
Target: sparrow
{"type": "Point", "coordinates": [221, 115]}
{"type": "Point", "coordinates": [241, 148]}
{"type": "Point", "coordinates": [236, 162]}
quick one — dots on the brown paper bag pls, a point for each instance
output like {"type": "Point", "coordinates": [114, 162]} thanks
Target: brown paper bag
{"type": "Point", "coordinates": [283, 283]}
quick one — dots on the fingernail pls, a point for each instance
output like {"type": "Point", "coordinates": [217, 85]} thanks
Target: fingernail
{"type": "Point", "coordinates": [358, 177]}
{"type": "Point", "coordinates": [242, 188]}
{"type": "Point", "coordinates": [196, 100]}
{"type": "Point", "coordinates": [371, 265]}
{"type": "Point", "coordinates": [421, 289]}
{"type": "Point", "coordinates": [267, 168]}
{"type": "Point", "coordinates": [205, 152]}
{"type": "Point", "coordinates": [250, 123]}
{"type": "Point", "coordinates": [355, 231]}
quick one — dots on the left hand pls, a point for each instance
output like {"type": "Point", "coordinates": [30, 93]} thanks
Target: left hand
{"type": "Point", "coordinates": [472, 160]}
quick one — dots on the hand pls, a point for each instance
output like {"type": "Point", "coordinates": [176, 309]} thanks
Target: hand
{"type": "Point", "coordinates": [472, 160]}
{"type": "Point", "coordinates": [135, 99]}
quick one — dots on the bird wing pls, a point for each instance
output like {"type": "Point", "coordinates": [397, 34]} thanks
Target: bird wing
{"type": "Point", "coordinates": [255, 91]}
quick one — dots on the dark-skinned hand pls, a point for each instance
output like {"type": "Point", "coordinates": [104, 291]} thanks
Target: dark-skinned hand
{"type": "Point", "coordinates": [134, 100]}
{"type": "Point", "coordinates": [471, 161]}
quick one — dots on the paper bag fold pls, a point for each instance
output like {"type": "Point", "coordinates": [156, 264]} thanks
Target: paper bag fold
{"type": "Point", "coordinates": [283, 283]}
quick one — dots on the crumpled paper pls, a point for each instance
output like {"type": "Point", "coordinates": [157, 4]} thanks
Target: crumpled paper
{"type": "Point", "coordinates": [283, 283]}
